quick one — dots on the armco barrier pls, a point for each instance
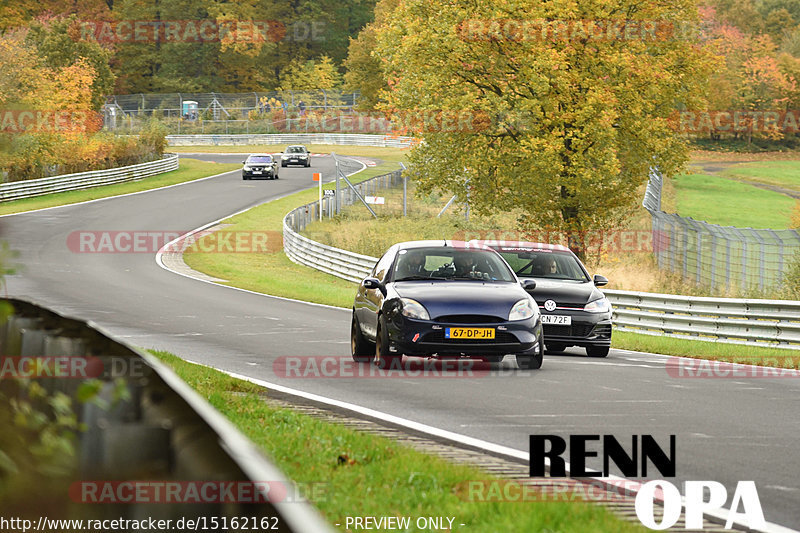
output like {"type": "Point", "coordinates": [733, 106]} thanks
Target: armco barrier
{"type": "Point", "coordinates": [86, 180]}
{"type": "Point", "coordinates": [774, 323]}
{"type": "Point", "coordinates": [291, 138]}
{"type": "Point", "coordinates": [162, 431]}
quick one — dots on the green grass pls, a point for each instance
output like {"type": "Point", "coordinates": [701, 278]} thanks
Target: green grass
{"type": "Point", "coordinates": [274, 273]}
{"type": "Point", "coordinates": [379, 477]}
{"type": "Point", "coordinates": [780, 173]}
{"type": "Point", "coordinates": [730, 203]}
{"type": "Point", "coordinates": [717, 351]}
{"type": "Point", "coordinates": [188, 170]}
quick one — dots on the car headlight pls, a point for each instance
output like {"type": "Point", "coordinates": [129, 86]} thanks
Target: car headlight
{"type": "Point", "coordinates": [522, 310]}
{"type": "Point", "coordinates": [598, 306]}
{"type": "Point", "coordinates": [414, 309]}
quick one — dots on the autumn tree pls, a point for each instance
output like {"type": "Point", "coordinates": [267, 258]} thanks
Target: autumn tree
{"type": "Point", "coordinates": [364, 70]}
{"type": "Point", "coordinates": [566, 126]}
{"type": "Point", "coordinates": [311, 75]}
{"type": "Point", "coordinates": [59, 45]}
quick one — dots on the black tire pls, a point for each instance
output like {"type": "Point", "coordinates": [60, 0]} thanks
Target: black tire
{"type": "Point", "coordinates": [597, 351]}
{"type": "Point", "coordinates": [362, 350]}
{"type": "Point", "coordinates": [555, 347]}
{"type": "Point", "coordinates": [383, 358]}
{"type": "Point", "coordinates": [308, 164]}
{"type": "Point", "coordinates": [245, 178]}
{"type": "Point", "coordinates": [283, 164]}
{"type": "Point", "coordinates": [532, 362]}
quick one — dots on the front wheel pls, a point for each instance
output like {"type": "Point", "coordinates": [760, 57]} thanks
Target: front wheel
{"type": "Point", "coordinates": [597, 351]}
{"type": "Point", "coordinates": [532, 362]}
{"type": "Point", "coordinates": [362, 350]}
{"type": "Point", "coordinates": [383, 358]}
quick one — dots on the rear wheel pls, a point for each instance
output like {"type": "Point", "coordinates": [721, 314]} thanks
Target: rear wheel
{"type": "Point", "coordinates": [532, 362]}
{"type": "Point", "coordinates": [362, 350]}
{"type": "Point", "coordinates": [383, 357]}
{"type": "Point", "coordinates": [555, 347]}
{"type": "Point", "coordinates": [597, 351]}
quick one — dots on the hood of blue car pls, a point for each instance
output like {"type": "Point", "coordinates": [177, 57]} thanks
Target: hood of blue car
{"type": "Point", "coordinates": [448, 297]}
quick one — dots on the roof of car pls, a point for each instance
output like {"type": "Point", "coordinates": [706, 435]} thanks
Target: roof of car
{"type": "Point", "coordinates": [260, 155]}
{"type": "Point", "coordinates": [441, 243]}
{"type": "Point", "coordinates": [509, 246]}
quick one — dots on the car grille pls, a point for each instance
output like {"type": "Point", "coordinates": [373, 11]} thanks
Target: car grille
{"type": "Point", "coordinates": [468, 319]}
{"type": "Point", "coordinates": [256, 168]}
{"type": "Point", "coordinates": [576, 330]}
{"type": "Point", "coordinates": [501, 337]}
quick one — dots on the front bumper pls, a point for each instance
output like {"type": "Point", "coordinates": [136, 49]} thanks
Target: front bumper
{"type": "Point", "coordinates": [587, 329]}
{"type": "Point", "coordinates": [425, 338]}
{"type": "Point", "coordinates": [295, 160]}
{"type": "Point", "coordinates": [266, 173]}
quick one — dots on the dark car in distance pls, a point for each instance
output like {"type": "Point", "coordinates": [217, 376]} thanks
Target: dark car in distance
{"type": "Point", "coordinates": [444, 299]}
{"type": "Point", "coordinates": [296, 155]}
{"type": "Point", "coordinates": [260, 166]}
{"type": "Point", "coordinates": [574, 311]}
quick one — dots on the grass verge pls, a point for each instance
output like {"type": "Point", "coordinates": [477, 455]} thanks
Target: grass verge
{"type": "Point", "coordinates": [188, 170]}
{"type": "Point", "coordinates": [378, 477]}
{"type": "Point", "coordinates": [715, 351]}
{"type": "Point", "coordinates": [727, 202]}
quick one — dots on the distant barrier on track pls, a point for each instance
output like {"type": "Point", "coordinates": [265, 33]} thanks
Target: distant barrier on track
{"type": "Point", "coordinates": [770, 323]}
{"type": "Point", "coordinates": [86, 180]}
{"type": "Point", "coordinates": [355, 139]}
{"type": "Point", "coordinates": [718, 256]}
{"type": "Point", "coordinates": [161, 430]}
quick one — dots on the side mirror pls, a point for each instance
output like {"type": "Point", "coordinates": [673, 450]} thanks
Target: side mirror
{"type": "Point", "coordinates": [528, 284]}
{"type": "Point", "coordinates": [599, 280]}
{"type": "Point", "coordinates": [243, 162]}
{"type": "Point", "coordinates": [374, 283]}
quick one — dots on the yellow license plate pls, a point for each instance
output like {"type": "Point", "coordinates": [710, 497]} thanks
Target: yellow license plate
{"type": "Point", "coordinates": [469, 333]}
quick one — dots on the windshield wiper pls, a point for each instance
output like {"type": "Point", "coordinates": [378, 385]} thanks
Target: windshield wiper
{"type": "Point", "coordinates": [414, 278]}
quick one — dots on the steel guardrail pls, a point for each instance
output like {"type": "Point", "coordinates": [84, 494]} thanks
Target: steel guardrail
{"type": "Point", "coordinates": [355, 139]}
{"type": "Point", "coordinates": [771, 323]}
{"type": "Point", "coordinates": [162, 431]}
{"type": "Point", "coordinates": [86, 180]}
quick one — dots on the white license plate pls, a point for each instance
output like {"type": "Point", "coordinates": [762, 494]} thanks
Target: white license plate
{"type": "Point", "coordinates": [294, 161]}
{"type": "Point", "coordinates": [561, 320]}
{"type": "Point", "coordinates": [256, 172]}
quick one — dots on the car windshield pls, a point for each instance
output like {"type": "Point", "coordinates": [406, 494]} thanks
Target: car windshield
{"type": "Point", "coordinates": [542, 263]}
{"type": "Point", "coordinates": [295, 150]}
{"type": "Point", "coordinates": [448, 263]}
{"type": "Point", "coordinates": [259, 159]}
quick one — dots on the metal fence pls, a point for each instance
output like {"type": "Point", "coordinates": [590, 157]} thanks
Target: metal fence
{"type": "Point", "coordinates": [394, 141]}
{"type": "Point", "coordinates": [219, 112]}
{"type": "Point", "coordinates": [718, 256]}
{"type": "Point", "coordinates": [160, 431]}
{"type": "Point", "coordinates": [86, 180]}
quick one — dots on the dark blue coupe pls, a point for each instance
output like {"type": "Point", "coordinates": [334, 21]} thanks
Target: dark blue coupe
{"type": "Point", "coordinates": [446, 299]}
